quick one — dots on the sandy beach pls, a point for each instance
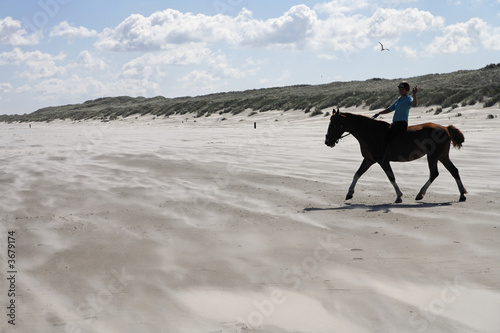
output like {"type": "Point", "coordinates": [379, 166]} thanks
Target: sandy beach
{"type": "Point", "coordinates": [186, 224]}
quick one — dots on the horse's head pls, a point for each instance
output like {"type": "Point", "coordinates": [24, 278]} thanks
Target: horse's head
{"type": "Point", "coordinates": [335, 129]}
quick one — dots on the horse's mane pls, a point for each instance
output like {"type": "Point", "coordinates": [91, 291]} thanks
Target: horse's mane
{"type": "Point", "coordinates": [365, 121]}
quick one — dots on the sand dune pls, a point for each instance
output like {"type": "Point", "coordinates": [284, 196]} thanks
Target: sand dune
{"type": "Point", "coordinates": [210, 225]}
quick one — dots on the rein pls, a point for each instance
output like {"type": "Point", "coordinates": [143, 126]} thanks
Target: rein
{"type": "Point", "coordinates": [343, 136]}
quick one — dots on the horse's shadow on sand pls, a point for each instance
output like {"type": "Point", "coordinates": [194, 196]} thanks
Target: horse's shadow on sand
{"type": "Point", "coordinates": [386, 208]}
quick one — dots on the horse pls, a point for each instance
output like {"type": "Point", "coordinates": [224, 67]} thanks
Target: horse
{"type": "Point", "coordinates": [428, 139]}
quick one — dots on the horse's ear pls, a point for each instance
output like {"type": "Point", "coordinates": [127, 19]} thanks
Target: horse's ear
{"type": "Point", "coordinates": [338, 112]}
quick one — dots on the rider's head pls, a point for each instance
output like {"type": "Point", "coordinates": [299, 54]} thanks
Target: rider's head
{"type": "Point", "coordinates": [404, 85]}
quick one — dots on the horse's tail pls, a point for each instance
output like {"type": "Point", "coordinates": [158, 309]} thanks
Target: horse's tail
{"type": "Point", "coordinates": [457, 137]}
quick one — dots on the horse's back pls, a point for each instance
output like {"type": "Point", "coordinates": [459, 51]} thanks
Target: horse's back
{"type": "Point", "coordinates": [428, 131]}
{"type": "Point", "coordinates": [426, 127]}
{"type": "Point", "coordinates": [419, 140]}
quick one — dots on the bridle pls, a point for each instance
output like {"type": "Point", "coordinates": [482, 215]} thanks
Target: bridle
{"type": "Point", "coordinates": [341, 136]}
{"type": "Point", "coordinates": [349, 133]}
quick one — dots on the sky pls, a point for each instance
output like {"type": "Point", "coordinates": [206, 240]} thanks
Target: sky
{"type": "Point", "coordinates": [57, 52]}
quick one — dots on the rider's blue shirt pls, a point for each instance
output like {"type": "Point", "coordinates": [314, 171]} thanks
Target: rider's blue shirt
{"type": "Point", "coordinates": [402, 108]}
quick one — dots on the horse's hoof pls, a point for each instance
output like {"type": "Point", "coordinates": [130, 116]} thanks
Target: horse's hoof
{"type": "Point", "coordinates": [462, 198]}
{"type": "Point", "coordinates": [348, 196]}
{"type": "Point", "coordinates": [399, 200]}
{"type": "Point", "coordinates": [419, 197]}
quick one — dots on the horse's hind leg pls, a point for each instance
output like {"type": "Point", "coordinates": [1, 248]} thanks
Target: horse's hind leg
{"type": "Point", "coordinates": [454, 172]}
{"type": "Point", "coordinates": [432, 161]}
{"type": "Point", "coordinates": [390, 174]}
{"type": "Point", "coordinates": [365, 165]}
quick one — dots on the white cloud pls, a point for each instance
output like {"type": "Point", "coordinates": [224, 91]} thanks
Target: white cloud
{"type": "Point", "coordinates": [353, 33]}
{"type": "Point", "coordinates": [205, 68]}
{"type": "Point", "coordinates": [24, 88]}
{"type": "Point", "coordinates": [90, 62]}
{"type": "Point", "coordinates": [491, 39]}
{"type": "Point", "coordinates": [340, 6]}
{"type": "Point", "coordinates": [465, 37]}
{"type": "Point", "coordinates": [216, 75]}
{"type": "Point", "coordinates": [219, 65]}
{"type": "Point", "coordinates": [199, 76]}
{"type": "Point", "coordinates": [11, 32]}
{"type": "Point", "coordinates": [394, 22]}
{"type": "Point", "coordinates": [139, 33]}
{"type": "Point", "coordinates": [5, 87]}
{"type": "Point", "coordinates": [37, 64]}
{"type": "Point", "coordinates": [151, 65]}
{"type": "Point", "coordinates": [158, 31]}
{"type": "Point", "coordinates": [335, 7]}
{"type": "Point", "coordinates": [293, 29]}
{"type": "Point", "coordinates": [298, 28]}
{"type": "Point", "coordinates": [75, 87]}
{"type": "Point", "coordinates": [409, 52]}
{"type": "Point", "coordinates": [327, 56]}
{"type": "Point", "coordinates": [66, 89]}
{"type": "Point", "coordinates": [65, 30]}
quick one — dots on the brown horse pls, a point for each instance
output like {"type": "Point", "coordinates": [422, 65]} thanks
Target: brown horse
{"type": "Point", "coordinates": [425, 139]}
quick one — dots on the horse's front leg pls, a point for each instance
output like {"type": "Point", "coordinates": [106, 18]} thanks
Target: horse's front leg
{"type": "Point", "coordinates": [388, 171]}
{"type": "Point", "coordinates": [365, 165]}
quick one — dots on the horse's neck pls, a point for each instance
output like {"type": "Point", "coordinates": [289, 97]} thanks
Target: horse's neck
{"type": "Point", "coordinates": [363, 128]}
{"type": "Point", "coordinates": [355, 123]}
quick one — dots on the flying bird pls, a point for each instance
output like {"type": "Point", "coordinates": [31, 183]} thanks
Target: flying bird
{"type": "Point", "coordinates": [382, 47]}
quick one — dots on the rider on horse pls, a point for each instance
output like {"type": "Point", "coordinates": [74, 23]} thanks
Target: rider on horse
{"type": "Point", "coordinates": [400, 119]}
